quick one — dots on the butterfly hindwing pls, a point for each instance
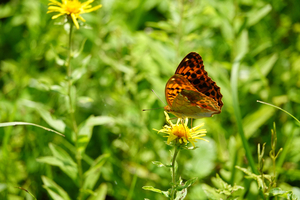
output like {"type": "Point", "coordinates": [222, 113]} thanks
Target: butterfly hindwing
{"type": "Point", "coordinates": [193, 104]}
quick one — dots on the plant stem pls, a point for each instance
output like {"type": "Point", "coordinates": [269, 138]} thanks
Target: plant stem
{"type": "Point", "coordinates": [237, 112]}
{"type": "Point", "coordinates": [176, 151]}
{"type": "Point", "coordinates": [69, 71]}
{"type": "Point", "coordinates": [72, 111]}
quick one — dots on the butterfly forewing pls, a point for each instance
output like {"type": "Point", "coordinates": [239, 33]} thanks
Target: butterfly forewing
{"type": "Point", "coordinates": [175, 85]}
{"type": "Point", "coordinates": [192, 68]}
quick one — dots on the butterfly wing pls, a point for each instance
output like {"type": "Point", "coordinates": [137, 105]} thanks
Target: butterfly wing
{"type": "Point", "coordinates": [185, 100]}
{"type": "Point", "coordinates": [193, 104]}
{"type": "Point", "coordinates": [175, 85]}
{"type": "Point", "coordinates": [192, 68]}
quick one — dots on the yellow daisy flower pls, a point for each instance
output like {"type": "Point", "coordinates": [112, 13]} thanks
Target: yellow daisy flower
{"type": "Point", "coordinates": [72, 8]}
{"type": "Point", "coordinates": [181, 132]}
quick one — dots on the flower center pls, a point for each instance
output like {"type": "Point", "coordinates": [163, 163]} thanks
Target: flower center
{"type": "Point", "coordinates": [73, 6]}
{"type": "Point", "coordinates": [180, 131]}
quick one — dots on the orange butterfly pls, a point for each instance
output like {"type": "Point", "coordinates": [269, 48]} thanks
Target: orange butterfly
{"type": "Point", "coordinates": [191, 93]}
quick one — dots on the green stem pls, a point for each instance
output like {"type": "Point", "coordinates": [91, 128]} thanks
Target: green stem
{"type": "Point", "coordinates": [176, 151]}
{"type": "Point", "coordinates": [236, 108]}
{"type": "Point", "coordinates": [237, 113]}
{"type": "Point", "coordinates": [72, 111]}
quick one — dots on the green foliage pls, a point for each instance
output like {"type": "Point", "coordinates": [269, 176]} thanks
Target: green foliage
{"type": "Point", "coordinates": [224, 191]}
{"type": "Point", "coordinates": [266, 183]}
{"type": "Point", "coordinates": [251, 49]}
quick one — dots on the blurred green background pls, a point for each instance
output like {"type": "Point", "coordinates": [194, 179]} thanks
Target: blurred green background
{"type": "Point", "coordinates": [126, 49]}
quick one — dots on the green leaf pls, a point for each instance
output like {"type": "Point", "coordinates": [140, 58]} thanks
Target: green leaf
{"type": "Point", "coordinates": [150, 188]}
{"type": "Point", "coordinates": [225, 188]}
{"type": "Point", "coordinates": [258, 178]}
{"type": "Point", "coordinates": [267, 63]}
{"type": "Point", "coordinates": [39, 84]}
{"type": "Point", "coordinates": [158, 164]}
{"type": "Point", "coordinates": [181, 194]}
{"type": "Point", "coordinates": [277, 191]}
{"type": "Point", "coordinates": [100, 193]}
{"type": "Point", "coordinates": [242, 47]}
{"type": "Point", "coordinates": [211, 192]}
{"type": "Point", "coordinates": [54, 190]}
{"type": "Point", "coordinates": [256, 15]}
{"type": "Point", "coordinates": [54, 123]}
{"type": "Point", "coordinates": [50, 160]}
{"type": "Point", "coordinates": [31, 124]}
{"type": "Point", "coordinates": [63, 160]}
{"type": "Point", "coordinates": [187, 184]}
{"type": "Point", "coordinates": [59, 89]}
{"type": "Point", "coordinates": [86, 129]}
{"type": "Point", "coordinates": [78, 73]}
{"type": "Point", "coordinates": [255, 120]}
{"type": "Point", "coordinates": [92, 175]}
{"type": "Point", "coordinates": [282, 193]}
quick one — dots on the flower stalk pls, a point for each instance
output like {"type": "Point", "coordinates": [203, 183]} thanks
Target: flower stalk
{"type": "Point", "coordinates": [72, 111]}
{"type": "Point", "coordinates": [72, 9]}
{"type": "Point", "coordinates": [173, 170]}
{"type": "Point", "coordinates": [180, 136]}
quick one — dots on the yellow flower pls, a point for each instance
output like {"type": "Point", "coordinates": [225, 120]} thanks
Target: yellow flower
{"type": "Point", "coordinates": [71, 8]}
{"type": "Point", "coordinates": [181, 132]}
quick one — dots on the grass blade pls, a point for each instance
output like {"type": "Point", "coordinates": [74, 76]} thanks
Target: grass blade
{"type": "Point", "coordinates": [30, 124]}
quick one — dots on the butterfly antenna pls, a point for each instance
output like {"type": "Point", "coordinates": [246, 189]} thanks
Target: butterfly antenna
{"type": "Point", "coordinates": [152, 109]}
{"type": "Point", "coordinates": [158, 98]}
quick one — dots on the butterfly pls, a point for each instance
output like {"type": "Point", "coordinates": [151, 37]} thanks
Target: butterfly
{"type": "Point", "coordinates": [190, 92]}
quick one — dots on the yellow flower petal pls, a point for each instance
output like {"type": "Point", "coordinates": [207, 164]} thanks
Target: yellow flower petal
{"type": "Point", "coordinates": [181, 133]}
{"type": "Point", "coordinates": [56, 16]}
{"type": "Point", "coordinates": [53, 2]}
{"type": "Point", "coordinates": [87, 2]}
{"type": "Point", "coordinates": [94, 8]}
{"type": "Point", "coordinates": [73, 8]}
{"type": "Point", "coordinates": [75, 20]}
{"type": "Point", "coordinates": [171, 138]}
{"type": "Point", "coordinates": [81, 18]}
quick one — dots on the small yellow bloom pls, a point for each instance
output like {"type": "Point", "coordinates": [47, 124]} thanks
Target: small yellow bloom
{"type": "Point", "coordinates": [71, 8]}
{"type": "Point", "coordinates": [181, 132]}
